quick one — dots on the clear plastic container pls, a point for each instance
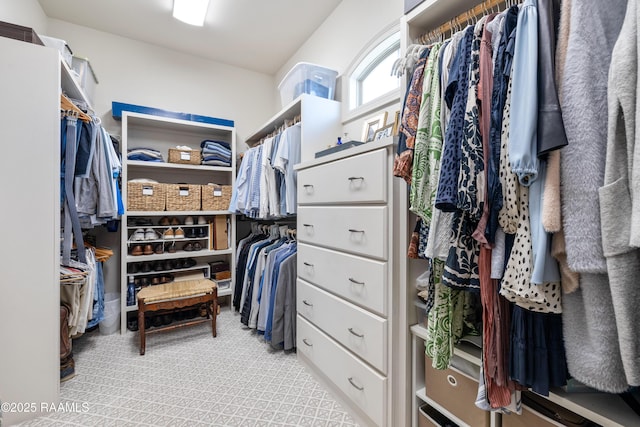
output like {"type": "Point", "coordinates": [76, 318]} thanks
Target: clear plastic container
{"type": "Point", "coordinates": [310, 79]}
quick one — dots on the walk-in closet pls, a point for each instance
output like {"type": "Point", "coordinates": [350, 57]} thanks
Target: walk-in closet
{"type": "Point", "coordinates": [383, 213]}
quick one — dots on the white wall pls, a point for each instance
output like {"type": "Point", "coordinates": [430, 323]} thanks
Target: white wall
{"type": "Point", "coordinates": [27, 13]}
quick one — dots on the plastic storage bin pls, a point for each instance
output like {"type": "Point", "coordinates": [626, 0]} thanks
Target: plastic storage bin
{"type": "Point", "coordinates": [111, 322]}
{"type": "Point", "coordinates": [86, 77]}
{"type": "Point", "coordinates": [307, 78]}
{"type": "Point", "coordinates": [61, 46]}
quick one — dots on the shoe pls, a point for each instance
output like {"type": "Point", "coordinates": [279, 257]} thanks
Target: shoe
{"type": "Point", "coordinates": [166, 278]}
{"type": "Point", "coordinates": [155, 280]}
{"type": "Point", "coordinates": [132, 325]}
{"type": "Point", "coordinates": [178, 234]}
{"type": "Point", "coordinates": [164, 221]}
{"type": "Point", "coordinates": [149, 234]}
{"type": "Point", "coordinates": [197, 246]}
{"type": "Point", "coordinates": [167, 319]}
{"type": "Point", "coordinates": [148, 250]}
{"type": "Point", "coordinates": [202, 310]}
{"type": "Point", "coordinates": [188, 247]}
{"type": "Point", "coordinates": [175, 221]}
{"type": "Point", "coordinates": [189, 262]}
{"type": "Point", "coordinates": [137, 250]}
{"type": "Point", "coordinates": [201, 220]}
{"type": "Point", "coordinates": [146, 267]}
{"type": "Point", "coordinates": [157, 266]}
{"type": "Point", "coordinates": [144, 281]}
{"type": "Point", "coordinates": [137, 235]}
{"type": "Point", "coordinates": [172, 248]}
{"type": "Point", "coordinates": [133, 268]}
{"type": "Point", "coordinates": [156, 320]}
{"type": "Point", "coordinates": [168, 234]}
{"type": "Point", "coordinates": [190, 233]}
{"type": "Point", "coordinates": [188, 220]}
{"type": "Point", "coordinates": [202, 232]}
{"type": "Point", "coordinates": [159, 249]}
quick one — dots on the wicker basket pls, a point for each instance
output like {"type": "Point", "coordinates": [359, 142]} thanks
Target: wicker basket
{"type": "Point", "coordinates": [216, 197]}
{"type": "Point", "coordinates": [183, 197]}
{"type": "Point", "coordinates": [185, 157]}
{"type": "Point", "coordinates": [146, 196]}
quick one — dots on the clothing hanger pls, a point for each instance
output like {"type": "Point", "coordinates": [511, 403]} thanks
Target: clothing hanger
{"type": "Point", "coordinates": [69, 109]}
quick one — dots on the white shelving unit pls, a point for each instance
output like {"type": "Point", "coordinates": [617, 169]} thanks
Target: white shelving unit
{"type": "Point", "coordinates": [162, 133]}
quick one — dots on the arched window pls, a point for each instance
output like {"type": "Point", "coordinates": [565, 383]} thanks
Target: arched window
{"type": "Point", "coordinates": [371, 77]}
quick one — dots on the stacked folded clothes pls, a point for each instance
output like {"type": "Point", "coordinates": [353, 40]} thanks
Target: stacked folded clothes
{"type": "Point", "coordinates": [144, 154]}
{"type": "Point", "coordinates": [216, 153]}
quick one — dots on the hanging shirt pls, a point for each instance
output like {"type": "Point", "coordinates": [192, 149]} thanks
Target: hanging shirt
{"type": "Point", "coordinates": [287, 156]}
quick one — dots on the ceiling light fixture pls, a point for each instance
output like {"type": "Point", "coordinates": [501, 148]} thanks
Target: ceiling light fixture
{"type": "Point", "coordinates": [191, 12]}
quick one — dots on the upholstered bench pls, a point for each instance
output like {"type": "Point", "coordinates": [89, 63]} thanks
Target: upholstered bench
{"type": "Point", "coordinates": [175, 296]}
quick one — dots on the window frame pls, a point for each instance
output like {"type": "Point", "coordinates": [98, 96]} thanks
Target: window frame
{"type": "Point", "coordinates": [360, 68]}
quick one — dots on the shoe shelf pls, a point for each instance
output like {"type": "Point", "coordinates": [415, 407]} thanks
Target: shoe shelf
{"type": "Point", "coordinates": [174, 270]}
{"type": "Point", "coordinates": [178, 254]}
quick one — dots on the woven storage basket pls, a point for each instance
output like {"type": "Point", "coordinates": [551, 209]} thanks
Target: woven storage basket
{"type": "Point", "coordinates": [185, 157]}
{"type": "Point", "coordinates": [146, 196]}
{"type": "Point", "coordinates": [216, 197]}
{"type": "Point", "coordinates": [183, 197]}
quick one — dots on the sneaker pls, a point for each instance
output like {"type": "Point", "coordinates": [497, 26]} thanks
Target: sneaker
{"type": "Point", "coordinates": [168, 234]}
{"type": "Point", "coordinates": [201, 220]}
{"type": "Point", "coordinates": [178, 234]}
{"type": "Point", "coordinates": [138, 235]}
{"type": "Point", "coordinates": [149, 234]}
{"type": "Point", "coordinates": [188, 220]}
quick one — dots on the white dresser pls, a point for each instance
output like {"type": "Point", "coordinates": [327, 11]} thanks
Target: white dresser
{"type": "Point", "coordinates": [352, 328]}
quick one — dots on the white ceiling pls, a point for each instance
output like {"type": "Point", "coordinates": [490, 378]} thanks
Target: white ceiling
{"type": "Point", "coordinates": [259, 35]}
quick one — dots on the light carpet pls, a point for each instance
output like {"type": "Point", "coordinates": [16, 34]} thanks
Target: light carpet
{"type": "Point", "coordinates": [189, 378]}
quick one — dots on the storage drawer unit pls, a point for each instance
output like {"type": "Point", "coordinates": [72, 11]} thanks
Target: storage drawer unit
{"type": "Point", "coordinates": [356, 179]}
{"type": "Point", "coordinates": [345, 290]}
{"type": "Point", "coordinates": [357, 279]}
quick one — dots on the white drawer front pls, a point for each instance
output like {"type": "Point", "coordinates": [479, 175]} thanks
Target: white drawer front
{"type": "Point", "coordinates": [358, 229]}
{"type": "Point", "coordinates": [360, 331]}
{"type": "Point", "coordinates": [365, 387]}
{"type": "Point", "coordinates": [359, 178]}
{"type": "Point", "coordinates": [362, 281]}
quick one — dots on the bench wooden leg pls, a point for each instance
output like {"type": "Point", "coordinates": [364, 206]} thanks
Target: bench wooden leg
{"type": "Point", "coordinates": [141, 327]}
{"type": "Point", "coordinates": [214, 311]}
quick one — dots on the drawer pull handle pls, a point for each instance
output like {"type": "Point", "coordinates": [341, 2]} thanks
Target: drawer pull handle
{"type": "Point", "coordinates": [352, 280]}
{"type": "Point", "coordinates": [355, 333]}
{"type": "Point", "coordinates": [304, 301]}
{"type": "Point", "coordinates": [307, 264]}
{"type": "Point", "coordinates": [354, 384]}
{"type": "Point", "coordinates": [352, 230]}
{"type": "Point", "coordinates": [308, 186]}
{"type": "Point", "coordinates": [304, 340]}
{"type": "Point", "coordinates": [307, 225]}
{"type": "Point", "coordinates": [354, 178]}
{"type": "Point", "coordinates": [452, 380]}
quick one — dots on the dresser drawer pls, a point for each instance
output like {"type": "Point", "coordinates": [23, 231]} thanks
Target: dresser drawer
{"type": "Point", "coordinates": [365, 387]}
{"type": "Point", "coordinates": [358, 229]}
{"type": "Point", "coordinates": [361, 178]}
{"type": "Point", "coordinates": [363, 333]}
{"type": "Point", "coordinates": [362, 281]}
